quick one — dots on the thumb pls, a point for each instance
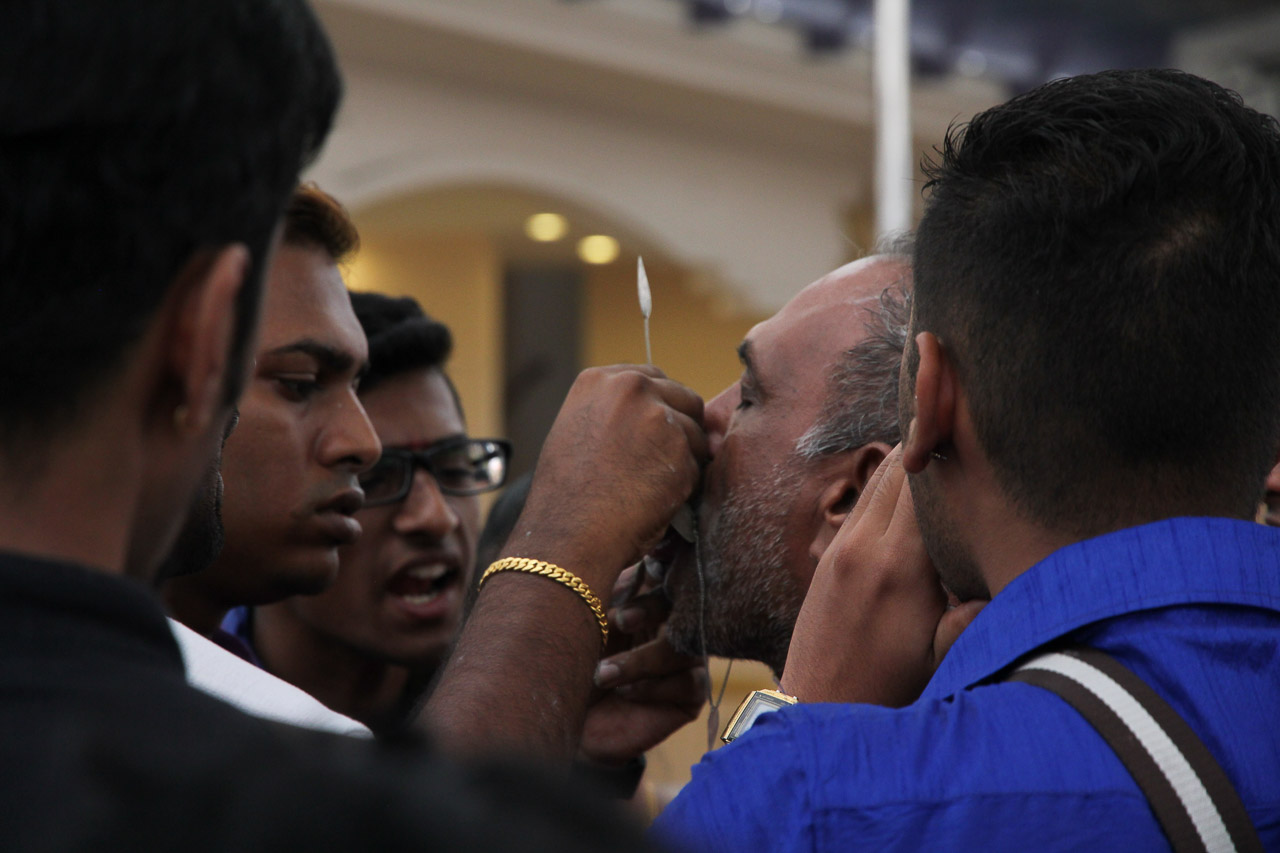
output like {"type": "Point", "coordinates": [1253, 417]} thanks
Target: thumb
{"type": "Point", "coordinates": [952, 625]}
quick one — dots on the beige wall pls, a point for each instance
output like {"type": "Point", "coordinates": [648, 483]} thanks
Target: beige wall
{"type": "Point", "coordinates": [457, 278]}
{"type": "Point", "coordinates": [694, 334]}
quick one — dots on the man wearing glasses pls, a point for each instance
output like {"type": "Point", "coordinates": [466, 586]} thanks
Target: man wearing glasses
{"type": "Point", "coordinates": [369, 644]}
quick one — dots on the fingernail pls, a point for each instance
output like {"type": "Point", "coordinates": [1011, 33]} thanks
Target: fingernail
{"type": "Point", "coordinates": [628, 619]}
{"type": "Point", "coordinates": [607, 673]}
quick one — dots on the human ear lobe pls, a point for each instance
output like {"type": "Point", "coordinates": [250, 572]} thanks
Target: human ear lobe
{"type": "Point", "coordinates": [935, 396]}
{"type": "Point", "coordinates": [838, 498]}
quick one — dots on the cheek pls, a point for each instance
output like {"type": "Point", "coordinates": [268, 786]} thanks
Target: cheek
{"type": "Point", "coordinates": [738, 464]}
{"type": "Point", "coordinates": [348, 602]}
{"type": "Point", "coordinates": [468, 512]}
{"type": "Point", "coordinates": [365, 566]}
{"type": "Point", "coordinates": [263, 457]}
{"type": "Point", "coordinates": [715, 477]}
{"type": "Point", "coordinates": [368, 556]}
{"type": "Point", "coordinates": [335, 611]}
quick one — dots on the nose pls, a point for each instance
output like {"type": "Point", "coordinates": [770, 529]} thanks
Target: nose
{"type": "Point", "coordinates": [349, 441]}
{"type": "Point", "coordinates": [425, 509]}
{"type": "Point", "coordinates": [717, 414]}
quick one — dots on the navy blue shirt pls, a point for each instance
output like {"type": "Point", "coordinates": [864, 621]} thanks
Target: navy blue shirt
{"type": "Point", "coordinates": [236, 634]}
{"type": "Point", "coordinates": [1192, 605]}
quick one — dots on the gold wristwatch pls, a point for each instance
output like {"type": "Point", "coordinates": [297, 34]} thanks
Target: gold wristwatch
{"type": "Point", "coordinates": [757, 704]}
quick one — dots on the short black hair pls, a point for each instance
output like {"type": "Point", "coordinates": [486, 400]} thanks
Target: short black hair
{"type": "Point", "coordinates": [134, 136]}
{"type": "Point", "coordinates": [1100, 256]}
{"type": "Point", "coordinates": [401, 338]}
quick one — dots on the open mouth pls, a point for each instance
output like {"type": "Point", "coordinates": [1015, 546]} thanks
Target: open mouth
{"type": "Point", "coordinates": [423, 584]}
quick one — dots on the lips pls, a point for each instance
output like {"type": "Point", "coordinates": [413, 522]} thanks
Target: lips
{"type": "Point", "coordinates": [344, 503]}
{"type": "Point", "coordinates": [337, 523]}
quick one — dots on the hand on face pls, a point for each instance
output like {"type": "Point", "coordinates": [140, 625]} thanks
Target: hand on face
{"type": "Point", "coordinates": [875, 624]}
{"type": "Point", "coordinates": [622, 456]}
{"type": "Point", "coordinates": [647, 689]}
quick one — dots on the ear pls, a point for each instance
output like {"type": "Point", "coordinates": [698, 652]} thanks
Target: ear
{"type": "Point", "coordinates": [202, 317]}
{"type": "Point", "coordinates": [1273, 478]}
{"type": "Point", "coordinates": [935, 409]}
{"type": "Point", "coordinates": [843, 490]}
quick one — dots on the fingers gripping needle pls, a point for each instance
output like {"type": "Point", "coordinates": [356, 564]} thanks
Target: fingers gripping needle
{"type": "Point", "coordinates": [686, 524]}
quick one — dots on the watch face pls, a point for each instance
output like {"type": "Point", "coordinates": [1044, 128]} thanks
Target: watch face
{"type": "Point", "coordinates": [757, 704]}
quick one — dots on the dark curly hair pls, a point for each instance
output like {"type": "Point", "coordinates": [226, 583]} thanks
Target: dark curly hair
{"type": "Point", "coordinates": [402, 337]}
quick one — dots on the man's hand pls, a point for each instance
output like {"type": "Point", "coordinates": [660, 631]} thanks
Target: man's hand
{"type": "Point", "coordinates": [624, 453]}
{"type": "Point", "coordinates": [652, 691]}
{"type": "Point", "coordinates": [647, 690]}
{"type": "Point", "coordinates": [875, 623]}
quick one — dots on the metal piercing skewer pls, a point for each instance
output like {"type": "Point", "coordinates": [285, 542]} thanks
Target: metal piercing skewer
{"type": "Point", "coordinates": [689, 521]}
{"type": "Point", "coordinates": [646, 306]}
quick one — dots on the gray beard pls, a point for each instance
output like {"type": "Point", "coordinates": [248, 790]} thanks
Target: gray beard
{"type": "Point", "coordinates": [751, 595]}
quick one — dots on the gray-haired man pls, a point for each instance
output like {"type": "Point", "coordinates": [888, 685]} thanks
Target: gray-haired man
{"type": "Point", "coordinates": [793, 442]}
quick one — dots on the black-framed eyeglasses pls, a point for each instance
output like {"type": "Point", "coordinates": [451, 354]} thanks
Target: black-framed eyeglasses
{"type": "Point", "coordinates": [460, 466]}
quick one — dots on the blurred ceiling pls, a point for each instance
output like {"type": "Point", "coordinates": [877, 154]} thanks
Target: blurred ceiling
{"type": "Point", "coordinates": [1022, 43]}
{"type": "Point", "coordinates": [709, 131]}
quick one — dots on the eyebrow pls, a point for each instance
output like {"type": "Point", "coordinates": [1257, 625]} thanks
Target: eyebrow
{"type": "Point", "coordinates": [331, 359]}
{"type": "Point", "coordinates": [457, 437]}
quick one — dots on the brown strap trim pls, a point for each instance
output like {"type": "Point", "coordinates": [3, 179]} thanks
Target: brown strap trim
{"type": "Point", "coordinates": [1173, 818]}
{"type": "Point", "coordinates": [1164, 801]}
{"type": "Point", "coordinates": [1221, 791]}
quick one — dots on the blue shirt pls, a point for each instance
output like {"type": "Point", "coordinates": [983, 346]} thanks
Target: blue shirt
{"type": "Point", "coordinates": [236, 634]}
{"type": "Point", "coordinates": [1192, 605]}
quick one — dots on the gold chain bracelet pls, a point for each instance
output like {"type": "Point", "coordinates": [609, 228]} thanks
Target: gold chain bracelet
{"type": "Point", "coordinates": [555, 573]}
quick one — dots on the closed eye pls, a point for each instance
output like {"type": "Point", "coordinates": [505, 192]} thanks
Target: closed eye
{"type": "Point", "coordinates": [297, 388]}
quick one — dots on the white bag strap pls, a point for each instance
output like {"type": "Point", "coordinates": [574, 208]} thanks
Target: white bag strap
{"type": "Point", "coordinates": [1194, 801]}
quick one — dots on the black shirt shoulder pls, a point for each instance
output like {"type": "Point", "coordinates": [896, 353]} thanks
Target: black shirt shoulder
{"type": "Point", "coordinates": [106, 747]}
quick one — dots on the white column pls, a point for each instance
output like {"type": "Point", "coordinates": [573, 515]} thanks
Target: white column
{"type": "Point", "coordinates": [894, 152]}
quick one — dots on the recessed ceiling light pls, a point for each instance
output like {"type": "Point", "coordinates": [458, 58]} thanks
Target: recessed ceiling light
{"type": "Point", "coordinates": [546, 227]}
{"type": "Point", "coordinates": [598, 249]}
